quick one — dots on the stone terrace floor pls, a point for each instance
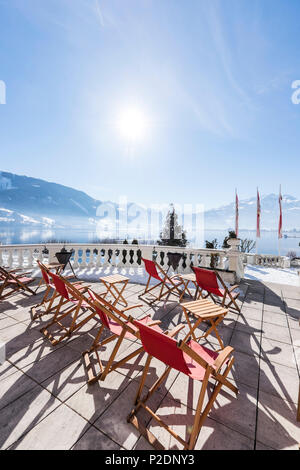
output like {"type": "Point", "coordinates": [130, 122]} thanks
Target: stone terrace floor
{"type": "Point", "coordinates": [45, 402]}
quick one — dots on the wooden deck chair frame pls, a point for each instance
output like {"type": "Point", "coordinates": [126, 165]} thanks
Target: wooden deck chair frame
{"type": "Point", "coordinates": [119, 317]}
{"type": "Point", "coordinates": [211, 372]}
{"type": "Point", "coordinates": [47, 297]}
{"type": "Point", "coordinates": [11, 278]}
{"type": "Point", "coordinates": [162, 282]}
{"type": "Point", "coordinates": [227, 292]}
{"type": "Point", "coordinates": [77, 302]}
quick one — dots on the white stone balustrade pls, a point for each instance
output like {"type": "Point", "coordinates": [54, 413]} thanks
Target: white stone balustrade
{"type": "Point", "coordinates": [97, 255]}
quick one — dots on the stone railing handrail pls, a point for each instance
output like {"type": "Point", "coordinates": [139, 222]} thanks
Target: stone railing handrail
{"type": "Point", "coordinates": [88, 255]}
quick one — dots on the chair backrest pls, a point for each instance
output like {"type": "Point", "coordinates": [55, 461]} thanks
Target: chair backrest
{"type": "Point", "coordinates": [3, 273]}
{"type": "Point", "coordinates": [101, 312]}
{"type": "Point", "coordinates": [44, 272]}
{"type": "Point", "coordinates": [207, 280]}
{"type": "Point", "coordinates": [150, 267]}
{"type": "Point", "coordinates": [60, 286]}
{"type": "Point", "coordinates": [162, 347]}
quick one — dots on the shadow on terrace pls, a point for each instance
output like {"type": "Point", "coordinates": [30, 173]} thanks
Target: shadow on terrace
{"type": "Point", "coordinates": [45, 402]}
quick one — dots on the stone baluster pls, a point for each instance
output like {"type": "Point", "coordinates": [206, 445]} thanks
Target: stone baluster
{"type": "Point", "coordinates": [106, 256]}
{"type": "Point", "coordinates": [20, 258]}
{"type": "Point", "coordinates": [9, 259]}
{"type": "Point", "coordinates": [135, 249]}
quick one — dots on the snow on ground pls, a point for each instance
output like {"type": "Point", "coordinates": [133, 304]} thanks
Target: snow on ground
{"type": "Point", "coordinates": [137, 275]}
{"type": "Point", "coordinates": [278, 275]}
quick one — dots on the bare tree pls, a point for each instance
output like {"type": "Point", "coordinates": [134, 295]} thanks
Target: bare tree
{"type": "Point", "coordinates": [247, 245]}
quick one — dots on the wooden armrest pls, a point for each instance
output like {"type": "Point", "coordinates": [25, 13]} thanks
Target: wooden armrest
{"type": "Point", "coordinates": [175, 330]}
{"type": "Point", "coordinates": [154, 322]}
{"type": "Point", "coordinates": [222, 357]}
{"type": "Point", "coordinates": [84, 288]}
{"type": "Point", "coordinates": [233, 287]}
{"type": "Point", "coordinates": [131, 306]}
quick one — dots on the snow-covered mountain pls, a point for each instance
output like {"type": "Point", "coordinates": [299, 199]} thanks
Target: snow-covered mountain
{"type": "Point", "coordinates": [33, 202]}
{"type": "Point", "coordinates": [32, 197]}
{"type": "Point", "coordinates": [224, 216]}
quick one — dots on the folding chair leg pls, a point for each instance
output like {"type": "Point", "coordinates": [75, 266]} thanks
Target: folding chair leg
{"type": "Point", "coordinates": [142, 382]}
{"type": "Point", "coordinates": [113, 354]}
{"type": "Point", "coordinates": [196, 426]}
{"type": "Point", "coordinates": [150, 392]}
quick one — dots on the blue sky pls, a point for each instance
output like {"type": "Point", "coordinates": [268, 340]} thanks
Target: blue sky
{"type": "Point", "coordinates": [212, 80]}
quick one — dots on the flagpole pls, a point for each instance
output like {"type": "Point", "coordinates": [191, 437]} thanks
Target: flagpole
{"type": "Point", "coordinates": [256, 219]}
{"type": "Point", "coordinates": [280, 221]}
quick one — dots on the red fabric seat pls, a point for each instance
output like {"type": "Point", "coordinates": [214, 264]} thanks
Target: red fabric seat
{"type": "Point", "coordinates": [25, 280]}
{"type": "Point", "coordinates": [62, 289]}
{"type": "Point", "coordinates": [151, 269]}
{"type": "Point", "coordinates": [115, 327]}
{"type": "Point", "coordinates": [207, 280]}
{"type": "Point", "coordinates": [196, 371]}
{"type": "Point", "coordinates": [166, 350]}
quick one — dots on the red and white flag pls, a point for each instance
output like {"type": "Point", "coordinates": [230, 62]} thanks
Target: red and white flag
{"type": "Point", "coordinates": [236, 214]}
{"type": "Point", "coordinates": [258, 216]}
{"type": "Point", "coordinates": [280, 215]}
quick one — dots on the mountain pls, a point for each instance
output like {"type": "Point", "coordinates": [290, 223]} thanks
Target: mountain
{"type": "Point", "coordinates": [33, 197]}
{"type": "Point", "coordinates": [33, 202]}
{"type": "Point", "coordinates": [224, 216]}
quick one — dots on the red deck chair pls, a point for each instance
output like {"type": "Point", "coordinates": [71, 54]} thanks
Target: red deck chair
{"type": "Point", "coordinates": [169, 283]}
{"type": "Point", "coordinates": [11, 280]}
{"type": "Point", "coordinates": [193, 360]}
{"type": "Point", "coordinates": [48, 298]}
{"type": "Point", "coordinates": [117, 323]}
{"type": "Point", "coordinates": [213, 284]}
{"type": "Point", "coordinates": [69, 294]}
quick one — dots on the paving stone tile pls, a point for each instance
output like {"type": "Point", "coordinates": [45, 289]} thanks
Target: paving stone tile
{"type": "Point", "coordinates": [295, 333]}
{"type": "Point", "coordinates": [279, 333]}
{"type": "Point", "coordinates": [94, 439]}
{"type": "Point", "coordinates": [276, 423]}
{"type": "Point", "coordinates": [51, 364]}
{"type": "Point", "coordinates": [280, 308]}
{"type": "Point", "coordinates": [17, 337]}
{"type": "Point", "coordinates": [23, 414]}
{"type": "Point", "coordinates": [278, 352]}
{"type": "Point", "coordinates": [246, 342]}
{"type": "Point", "coordinates": [248, 325]}
{"type": "Point", "coordinates": [114, 419]}
{"type": "Point", "coordinates": [252, 313]}
{"type": "Point", "coordinates": [293, 322]}
{"type": "Point", "coordinates": [275, 318]}
{"type": "Point", "coordinates": [67, 381]}
{"type": "Point", "coordinates": [7, 321]}
{"type": "Point", "coordinates": [279, 380]}
{"type": "Point", "coordinates": [62, 422]}
{"type": "Point", "coordinates": [13, 386]}
{"type": "Point", "coordinates": [213, 435]}
{"type": "Point", "coordinates": [245, 369]}
{"type": "Point", "coordinates": [92, 400]}
{"type": "Point", "coordinates": [228, 410]}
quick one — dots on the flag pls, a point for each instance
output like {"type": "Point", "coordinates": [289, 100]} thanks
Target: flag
{"type": "Point", "coordinates": [258, 216]}
{"type": "Point", "coordinates": [236, 214]}
{"type": "Point", "coordinates": [280, 215]}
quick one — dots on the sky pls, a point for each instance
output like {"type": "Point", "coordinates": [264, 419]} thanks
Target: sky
{"type": "Point", "coordinates": [157, 100]}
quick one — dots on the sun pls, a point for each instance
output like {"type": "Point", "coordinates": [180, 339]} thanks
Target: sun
{"type": "Point", "coordinates": [132, 124]}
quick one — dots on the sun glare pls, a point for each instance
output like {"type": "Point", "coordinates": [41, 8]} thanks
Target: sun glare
{"type": "Point", "coordinates": [132, 124]}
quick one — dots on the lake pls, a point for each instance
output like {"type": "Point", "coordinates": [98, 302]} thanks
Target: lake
{"type": "Point", "coordinates": [267, 244]}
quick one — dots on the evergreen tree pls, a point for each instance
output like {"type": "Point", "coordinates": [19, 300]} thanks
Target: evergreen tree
{"type": "Point", "coordinates": [172, 233]}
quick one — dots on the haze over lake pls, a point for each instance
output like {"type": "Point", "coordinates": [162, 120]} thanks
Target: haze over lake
{"type": "Point", "coordinates": [267, 244]}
